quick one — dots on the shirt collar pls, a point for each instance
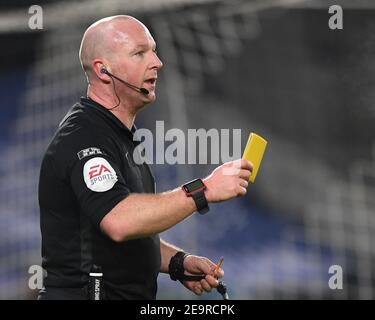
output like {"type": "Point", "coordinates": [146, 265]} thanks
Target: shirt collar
{"type": "Point", "coordinates": [109, 115]}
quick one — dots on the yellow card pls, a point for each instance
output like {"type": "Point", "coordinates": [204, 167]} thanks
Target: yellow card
{"type": "Point", "coordinates": [254, 151]}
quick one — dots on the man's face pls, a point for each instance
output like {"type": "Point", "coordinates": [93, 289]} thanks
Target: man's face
{"type": "Point", "coordinates": [135, 60]}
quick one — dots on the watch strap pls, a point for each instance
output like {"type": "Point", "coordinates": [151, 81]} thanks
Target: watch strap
{"type": "Point", "coordinates": [201, 202]}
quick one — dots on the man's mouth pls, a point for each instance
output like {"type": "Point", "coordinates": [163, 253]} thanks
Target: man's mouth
{"type": "Point", "coordinates": [151, 80]}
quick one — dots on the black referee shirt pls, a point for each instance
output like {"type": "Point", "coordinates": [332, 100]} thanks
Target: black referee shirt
{"type": "Point", "coordinates": [87, 170]}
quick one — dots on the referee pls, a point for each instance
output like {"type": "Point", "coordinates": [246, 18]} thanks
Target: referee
{"type": "Point", "coordinates": [99, 214]}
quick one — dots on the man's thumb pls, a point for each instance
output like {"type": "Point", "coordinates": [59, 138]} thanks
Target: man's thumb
{"type": "Point", "coordinates": [205, 267]}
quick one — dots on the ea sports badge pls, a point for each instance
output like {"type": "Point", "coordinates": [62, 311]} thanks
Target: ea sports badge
{"type": "Point", "coordinates": [99, 175]}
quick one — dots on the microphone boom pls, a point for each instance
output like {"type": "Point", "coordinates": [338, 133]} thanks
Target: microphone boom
{"type": "Point", "coordinates": [141, 90]}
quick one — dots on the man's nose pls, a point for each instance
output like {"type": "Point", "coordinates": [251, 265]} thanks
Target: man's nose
{"type": "Point", "coordinates": [156, 63]}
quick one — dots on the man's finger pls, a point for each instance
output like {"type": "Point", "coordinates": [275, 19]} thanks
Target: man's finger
{"type": "Point", "coordinates": [205, 285]}
{"type": "Point", "coordinates": [220, 273]}
{"type": "Point", "coordinates": [242, 191]}
{"type": "Point", "coordinates": [244, 183]}
{"type": "Point", "coordinates": [245, 174]}
{"type": "Point", "coordinates": [217, 274]}
{"type": "Point", "coordinates": [246, 164]}
{"type": "Point", "coordinates": [212, 281]}
{"type": "Point", "coordinates": [198, 288]}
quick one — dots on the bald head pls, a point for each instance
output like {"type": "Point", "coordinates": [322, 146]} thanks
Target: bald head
{"type": "Point", "coordinates": [104, 38]}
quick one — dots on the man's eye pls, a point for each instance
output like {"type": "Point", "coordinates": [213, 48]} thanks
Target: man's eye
{"type": "Point", "coordinates": [139, 53]}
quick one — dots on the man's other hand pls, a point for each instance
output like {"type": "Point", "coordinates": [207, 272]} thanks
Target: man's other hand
{"type": "Point", "coordinates": [195, 265]}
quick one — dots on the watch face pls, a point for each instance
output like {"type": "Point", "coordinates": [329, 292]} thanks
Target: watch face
{"type": "Point", "coordinates": [194, 185]}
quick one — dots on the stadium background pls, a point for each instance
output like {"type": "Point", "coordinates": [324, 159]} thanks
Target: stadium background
{"type": "Point", "coordinates": [272, 67]}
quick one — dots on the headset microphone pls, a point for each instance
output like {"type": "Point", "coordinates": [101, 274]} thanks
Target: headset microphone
{"type": "Point", "coordinates": [141, 90]}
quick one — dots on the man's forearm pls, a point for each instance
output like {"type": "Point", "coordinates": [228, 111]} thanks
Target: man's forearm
{"type": "Point", "coordinates": [141, 215]}
{"type": "Point", "coordinates": [167, 251]}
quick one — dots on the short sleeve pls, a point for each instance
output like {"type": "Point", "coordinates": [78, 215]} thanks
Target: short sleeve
{"type": "Point", "coordinates": [95, 176]}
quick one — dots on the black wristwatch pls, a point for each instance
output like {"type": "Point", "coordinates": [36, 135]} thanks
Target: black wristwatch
{"type": "Point", "coordinates": [195, 189]}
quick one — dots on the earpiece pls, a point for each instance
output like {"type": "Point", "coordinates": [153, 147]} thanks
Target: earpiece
{"type": "Point", "coordinates": [103, 70]}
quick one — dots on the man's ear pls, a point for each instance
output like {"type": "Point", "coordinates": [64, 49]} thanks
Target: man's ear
{"type": "Point", "coordinates": [100, 70]}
